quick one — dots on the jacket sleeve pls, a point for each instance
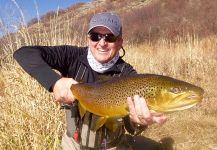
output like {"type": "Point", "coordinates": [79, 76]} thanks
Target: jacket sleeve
{"type": "Point", "coordinates": [39, 62]}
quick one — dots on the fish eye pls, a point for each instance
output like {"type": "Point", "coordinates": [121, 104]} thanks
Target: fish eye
{"type": "Point", "coordinates": [175, 90]}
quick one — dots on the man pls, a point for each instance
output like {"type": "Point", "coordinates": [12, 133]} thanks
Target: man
{"type": "Point", "coordinates": [100, 58]}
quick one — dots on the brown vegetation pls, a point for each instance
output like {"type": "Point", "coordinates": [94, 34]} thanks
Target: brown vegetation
{"type": "Point", "coordinates": [171, 19]}
{"type": "Point", "coordinates": [2, 86]}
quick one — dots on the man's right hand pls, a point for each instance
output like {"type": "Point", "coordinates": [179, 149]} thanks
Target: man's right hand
{"type": "Point", "coordinates": [62, 90]}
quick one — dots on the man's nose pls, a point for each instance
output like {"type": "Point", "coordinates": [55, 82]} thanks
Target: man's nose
{"type": "Point", "coordinates": [102, 42]}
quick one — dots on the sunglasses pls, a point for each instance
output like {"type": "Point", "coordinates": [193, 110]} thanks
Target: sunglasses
{"type": "Point", "coordinates": [95, 37]}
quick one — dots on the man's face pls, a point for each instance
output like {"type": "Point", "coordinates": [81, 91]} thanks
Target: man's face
{"type": "Point", "coordinates": [102, 50]}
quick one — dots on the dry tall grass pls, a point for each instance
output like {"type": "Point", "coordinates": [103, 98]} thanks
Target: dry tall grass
{"type": "Point", "coordinates": [30, 119]}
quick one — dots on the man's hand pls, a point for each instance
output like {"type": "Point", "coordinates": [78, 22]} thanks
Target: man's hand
{"type": "Point", "coordinates": [62, 92]}
{"type": "Point", "coordinates": [140, 114]}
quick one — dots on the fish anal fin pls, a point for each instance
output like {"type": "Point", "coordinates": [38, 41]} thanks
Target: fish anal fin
{"type": "Point", "coordinates": [82, 110]}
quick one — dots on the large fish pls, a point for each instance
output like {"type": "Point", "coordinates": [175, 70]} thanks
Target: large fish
{"type": "Point", "coordinates": [108, 99]}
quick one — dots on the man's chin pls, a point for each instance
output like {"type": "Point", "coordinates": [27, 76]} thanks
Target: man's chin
{"type": "Point", "coordinates": [103, 59]}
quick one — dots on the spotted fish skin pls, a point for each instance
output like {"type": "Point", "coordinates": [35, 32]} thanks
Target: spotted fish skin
{"type": "Point", "coordinates": [162, 94]}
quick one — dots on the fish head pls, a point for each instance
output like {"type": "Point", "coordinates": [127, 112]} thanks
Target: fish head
{"type": "Point", "coordinates": [175, 95]}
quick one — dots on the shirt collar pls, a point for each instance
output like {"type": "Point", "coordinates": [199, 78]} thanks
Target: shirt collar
{"type": "Point", "coordinates": [116, 68]}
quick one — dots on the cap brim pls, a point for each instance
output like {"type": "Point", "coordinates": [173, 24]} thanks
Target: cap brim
{"type": "Point", "coordinates": [101, 26]}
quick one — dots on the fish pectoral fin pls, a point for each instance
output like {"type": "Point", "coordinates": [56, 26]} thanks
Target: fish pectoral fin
{"type": "Point", "coordinates": [100, 122]}
{"type": "Point", "coordinates": [82, 110]}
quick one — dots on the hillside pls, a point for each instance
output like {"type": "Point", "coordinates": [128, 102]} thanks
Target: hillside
{"type": "Point", "coordinates": [142, 19]}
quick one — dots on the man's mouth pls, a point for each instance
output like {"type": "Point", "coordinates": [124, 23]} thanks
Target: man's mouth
{"type": "Point", "coordinates": [103, 50]}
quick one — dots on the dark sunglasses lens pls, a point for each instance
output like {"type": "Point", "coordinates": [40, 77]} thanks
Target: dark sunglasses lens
{"type": "Point", "coordinates": [94, 37]}
{"type": "Point", "coordinates": [110, 38]}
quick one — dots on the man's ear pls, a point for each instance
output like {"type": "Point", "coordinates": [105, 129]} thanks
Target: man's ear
{"type": "Point", "coordinates": [120, 41]}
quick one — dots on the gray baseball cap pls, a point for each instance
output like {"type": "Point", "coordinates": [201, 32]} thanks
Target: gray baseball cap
{"type": "Point", "coordinates": [108, 20]}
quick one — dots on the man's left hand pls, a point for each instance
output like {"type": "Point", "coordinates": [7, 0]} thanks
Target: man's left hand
{"type": "Point", "coordinates": [140, 113]}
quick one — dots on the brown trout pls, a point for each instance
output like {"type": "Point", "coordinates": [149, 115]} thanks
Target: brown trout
{"type": "Point", "coordinates": [108, 99]}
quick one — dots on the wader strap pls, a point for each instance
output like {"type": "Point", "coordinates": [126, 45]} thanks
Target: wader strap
{"type": "Point", "coordinates": [72, 117]}
{"type": "Point", "coordinates": [90, 138]}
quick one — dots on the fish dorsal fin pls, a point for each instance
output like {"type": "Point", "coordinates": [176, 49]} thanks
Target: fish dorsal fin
{"type": "Point", "coordinates": [82, 110]}
{"type": "Point", "coordinates": [100, 122]}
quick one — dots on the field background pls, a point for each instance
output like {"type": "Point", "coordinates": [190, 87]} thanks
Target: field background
{"type": "Point", "coordinates": [174, 38]}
